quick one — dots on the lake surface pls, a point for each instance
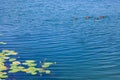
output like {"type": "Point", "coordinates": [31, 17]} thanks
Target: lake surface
{"type": "Point", "coordinates": [56, 30]}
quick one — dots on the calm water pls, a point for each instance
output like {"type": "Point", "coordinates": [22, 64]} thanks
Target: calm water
{"type": "Point", "coordinates": [83, 49]}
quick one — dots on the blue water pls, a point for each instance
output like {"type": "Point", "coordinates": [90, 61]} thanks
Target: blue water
{"type": "Point", "coordinates": [46, 29]}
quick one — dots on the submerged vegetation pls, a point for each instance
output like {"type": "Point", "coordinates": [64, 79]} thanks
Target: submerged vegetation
{"type": "Point", "coordinates": [9, 64]}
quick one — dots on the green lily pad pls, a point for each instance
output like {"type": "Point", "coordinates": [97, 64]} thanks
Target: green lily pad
{"type": "Point", "coordinates": [17, 66]}
{"type": "Point", "coordinates": [3, 75]}
{"type": "Point", "coordinates": [1, 55]}
{"type": "Point", "coordinates": [41, 70]}
{"type": "Point", "coordinates": [46, 64]}
{"type": "Point", "coordinates": [47, 71]}
{"type": "Point", "coordinates": [2, 60]}
{"type": "Point", "coordinates": [9, 52]}
{"type": "Point", "coordinates": [5, 57]}
{"type": "Point", "coordinates": [2, 67]}
{"type": "Point", "coordinates": [13, 71]}
{"type": "Point", "coordinates": [16, 62]}
{"type": "Point", "coordinates": [20, 68]}
{"type": "Point", "coordinates": [29, 64]}
{"type": "Point", "coordinates": [12, 59]}
{"type": "Point", "coordinates": [29, 61]}
{"type": "Point", "coordinates": [31, 70]}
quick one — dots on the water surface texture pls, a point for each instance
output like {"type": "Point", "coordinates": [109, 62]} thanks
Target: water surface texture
{"type": "Point", "coordinates": [57, 30]}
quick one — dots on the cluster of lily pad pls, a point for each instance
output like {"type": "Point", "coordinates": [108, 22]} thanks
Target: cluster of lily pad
{"type": "Point", "coordinates": [9, 64]}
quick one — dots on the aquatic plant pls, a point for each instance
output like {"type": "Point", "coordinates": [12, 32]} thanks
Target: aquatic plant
{"type": "Point", "coordinates": [3, 43]}
{"type": "Point", "coordinates": [17, 66]}
{"type": "Point", "coordinates": [14, 66]}
{"type": "Point", "coordinates": [12, 59]}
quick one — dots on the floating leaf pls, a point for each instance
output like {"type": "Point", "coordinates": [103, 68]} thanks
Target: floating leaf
{"type": "Point", "coordinates": [41, 70]}
{"type": "Point", "coordinates": [16, 62]}
{"type": "Point", "coordinates": [3, 43]}
{"type": "Point", "coordinates": [3, 75]}
{"type": "Point", "coordinates": [47, 71]}
{"type": "Point", "coordinates": [29, 64]}
{"type": "Point", "coordinates": [14, 71]}
{"type": "Point", "coordinates": [2, 67]}
{"type": "Point", "coordinates": [5, 57]}
{"type": "Point", "coordinates": [31, 70]}
{"type": "Point", "coordinates": [2, 60]}
{"type": "Point", "coordinates": [46, 64]}
{"type": "Point", "coordinates": [17, 66]}
{"type": "Point", "coordinates": [29, 61]}
{"type": "Point", "coordinates": [20, 68]}
{"type": "Point", "coordinates": [12, 59]}
{"type": "Point", "coordinates": [9, 52]}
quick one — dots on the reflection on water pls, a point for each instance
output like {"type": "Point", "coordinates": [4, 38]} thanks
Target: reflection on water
{"type": "Point", "coordinates": [83, 49]}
